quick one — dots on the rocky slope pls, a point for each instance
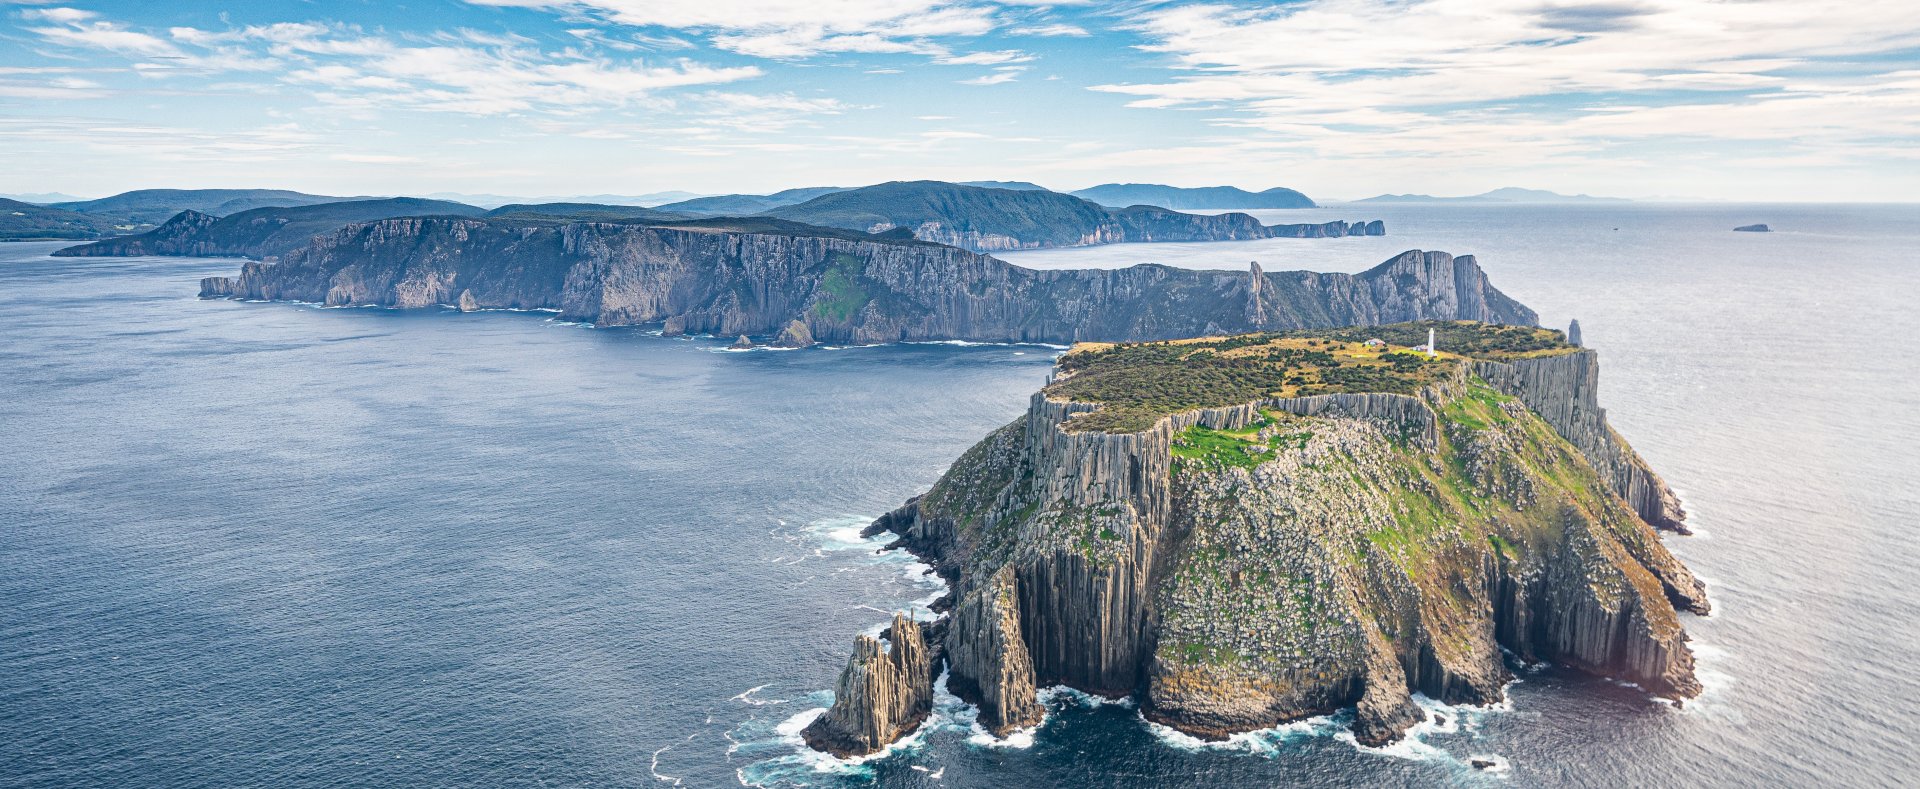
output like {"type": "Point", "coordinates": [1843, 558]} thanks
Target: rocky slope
{"type": "Point", "coordinates": [986, 220]}
{"type": "Point", "coordinates": [844, 287]}
{"type": "Point", "coordinates": [1376, 525]}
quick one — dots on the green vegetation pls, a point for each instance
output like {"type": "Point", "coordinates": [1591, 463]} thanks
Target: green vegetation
{"type": "Point", "coordinates": [1137, 383]}
{"type": "Point", "coordinates": [841, 292]}
{"type": "Point", "coordinates": [1243, 448]}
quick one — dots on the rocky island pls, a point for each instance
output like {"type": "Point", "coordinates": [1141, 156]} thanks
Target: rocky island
{"type": "Point", "coordinates": [1246, 530]}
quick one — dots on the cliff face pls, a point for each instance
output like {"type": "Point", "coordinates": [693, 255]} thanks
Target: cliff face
{"type": "Point", "coordinates": [1235, 568]}
{"type": "Point", "coordinates": [843, 290]}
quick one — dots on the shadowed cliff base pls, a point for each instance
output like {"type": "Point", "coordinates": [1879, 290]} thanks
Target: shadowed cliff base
{"type": "Point", "coordinates": [1381, 521]}
{"type": "Point", "coordinates": [715, 278]}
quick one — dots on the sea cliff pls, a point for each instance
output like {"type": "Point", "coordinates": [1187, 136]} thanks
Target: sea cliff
{"type": "Point", "coordinates": [1370, 523]}
{"type": "Point", "coordinates": [846, 288]}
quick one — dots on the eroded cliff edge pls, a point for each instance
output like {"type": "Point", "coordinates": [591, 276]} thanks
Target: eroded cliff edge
{"type": "Point", "coordinates": [1369, 523]}
{"type": "Point", "coordinates": [843, 289]}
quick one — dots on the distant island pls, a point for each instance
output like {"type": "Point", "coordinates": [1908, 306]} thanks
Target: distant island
{"type": "Point", "coordinates": [1198, 198]}
{"type": "Point", "coordinates": [1509, 194]}
{"type": "Point", "coordinates": [1241, 531]}
{"type": "Point", "coordinates": [1753, 229]}
{"type": "Point", "coordinates": [970, 217]}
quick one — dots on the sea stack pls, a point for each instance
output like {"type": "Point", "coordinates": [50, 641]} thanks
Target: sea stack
{"type": "Point", "coordinates": [1573, 334]}
{"type": "Point", "coordinates": [885, 692]}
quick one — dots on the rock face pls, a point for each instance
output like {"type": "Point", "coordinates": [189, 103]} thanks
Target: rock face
{"type": "Point", "coordinates": [1753, 229]}
{"type": "Point", "coordinates": [1564, 391]}
{"type": "Point", "coordinates": [1379, 544]}
{"type": "Point", "coordinates": [843, 290]}
{"type": "Point", "coordinates": [795, 335]}
{"type": "Point", "coordinates": [884, 694]}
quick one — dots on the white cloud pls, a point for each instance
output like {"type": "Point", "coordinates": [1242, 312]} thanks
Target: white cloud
{"type": "Point", "coordinates": [459, 71]}
{"type": "Point", "coordinates": [1520, 81]}
{"type": "Point", "coordinates": [985, 58]}
{"type": "Point", "coordinates": [794, 29]}
{"type": "Point", "coordinates": [1000, 75]}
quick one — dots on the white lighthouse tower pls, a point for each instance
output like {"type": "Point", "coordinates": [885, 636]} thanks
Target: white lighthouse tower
{"type": "Point", "coordinates": [1431, 348]}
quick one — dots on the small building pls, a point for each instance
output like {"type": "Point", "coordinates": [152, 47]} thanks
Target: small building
{"type": "Point", "coordinates": [1376, 343]}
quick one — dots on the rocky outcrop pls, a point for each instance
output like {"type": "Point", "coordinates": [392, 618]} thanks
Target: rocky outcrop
{"type": "Point", "coordinates": [1385, 544]}
{"type": "Point", "coordinates": [467, 303]}
{"type": "Point", "coordinates": [1573, 333]}
{"type": "Point", "coordinates": [742, 344]}
{"type": "Point", "coordinates": [795, 335]}
{"type": "Point", "coordinates": [884, 694]}
{"type": "Point", "coordinates": [843, 290]}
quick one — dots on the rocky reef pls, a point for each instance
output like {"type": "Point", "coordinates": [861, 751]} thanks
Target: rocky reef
{"type": "Point", "coordinates": [1285, 525]}
{"type": "Point", "coordinates": [840, 288]}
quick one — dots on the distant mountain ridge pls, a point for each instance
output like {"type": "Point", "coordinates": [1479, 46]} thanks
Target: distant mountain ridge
{"type": "Point", "coordinates": [746, 205]}
{"type": "Point", "coordinates": [21, 221]}
{"type": "Point", "coordinates": [262, 232]}
{"type": "Point", "coordinates": [1508, 194]}
{"type": "Point", "coordinates": [154, 206]}
{"type": "Point", "coordinates": [1175, 197]}
{"type": "Point", "coordinates": [986, 219]}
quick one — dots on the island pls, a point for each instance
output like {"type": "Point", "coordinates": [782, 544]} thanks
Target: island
{"type": "Point", "coordinates": [1241, 531]}
{"type": "Point", "coordinates": [1753, 229]}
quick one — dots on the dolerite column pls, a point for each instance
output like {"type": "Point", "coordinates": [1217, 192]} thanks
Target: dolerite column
{"type": "Point", "coordinates": [882, 695]}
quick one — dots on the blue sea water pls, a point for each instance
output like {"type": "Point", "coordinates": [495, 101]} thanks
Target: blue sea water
{"type": "Point", "coordinates": [247, 544]}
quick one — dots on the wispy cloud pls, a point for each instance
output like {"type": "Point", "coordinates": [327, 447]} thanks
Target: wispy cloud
{"type": "Point", "coordinates": [461, 71]}
{"type": "Point", "coordinates": [1516, 79]}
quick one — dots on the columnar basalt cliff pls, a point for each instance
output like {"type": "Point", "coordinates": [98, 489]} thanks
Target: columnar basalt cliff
{"type": "Point", "coordinates": [1376, 523]}
{"type": "Point", "coordinates": [846, 288]}
{"type": "Point", "coordinates": [883, 695]}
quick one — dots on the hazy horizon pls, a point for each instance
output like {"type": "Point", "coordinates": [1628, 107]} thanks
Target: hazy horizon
{"type": "Point", "coordinates": [1340, 99]}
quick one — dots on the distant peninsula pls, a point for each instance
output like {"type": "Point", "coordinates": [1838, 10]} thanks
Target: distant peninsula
{"type": "Point", "coordinates": [1193, 198]}
{"type": "Point", "coordinates": [762, 276]}
{"type": "Point", "coordinates": [1510, 194]}
{"type": "Point", "coordinates": [1241, 531]}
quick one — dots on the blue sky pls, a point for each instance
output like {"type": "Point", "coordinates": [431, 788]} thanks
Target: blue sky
{"type": "Point", "coordinates": [1764, 100]}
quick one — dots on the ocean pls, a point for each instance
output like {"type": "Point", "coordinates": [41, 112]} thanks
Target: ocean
{"type": "Point", "coordinates": [251, 544]}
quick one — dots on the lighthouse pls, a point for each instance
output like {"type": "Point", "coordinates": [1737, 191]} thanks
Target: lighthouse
{"type": "Point", "coordinates": [1431, 348]}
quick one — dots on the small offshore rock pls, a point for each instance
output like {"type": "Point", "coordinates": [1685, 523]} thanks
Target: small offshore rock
{"type": "Point", "coordinates": [742, 344]}
{"type": "Point", "coordinates": [795, 335]}
{"type": "Point", "coordinates": [467, 302]}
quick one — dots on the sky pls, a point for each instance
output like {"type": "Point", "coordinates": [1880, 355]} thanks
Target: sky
{"type": "Point", "coordinates": [1787, 100]}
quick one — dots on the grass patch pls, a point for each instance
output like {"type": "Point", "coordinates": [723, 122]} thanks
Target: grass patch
{"type": "Point", "coordinates": [841, 293]}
